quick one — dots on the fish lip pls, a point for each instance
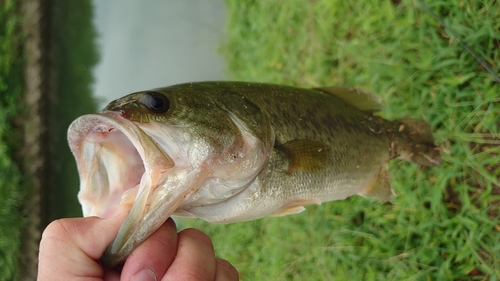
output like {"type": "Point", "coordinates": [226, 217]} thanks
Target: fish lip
{"type": "Point", "coordinates": [86, 135]}
{"type": "Point", "coordinates": [84, 124]}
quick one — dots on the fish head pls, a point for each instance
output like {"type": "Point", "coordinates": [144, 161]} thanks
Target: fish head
{"type": "Point", "coordinates": [151, 151]}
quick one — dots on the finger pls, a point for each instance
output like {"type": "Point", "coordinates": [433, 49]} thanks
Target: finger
{"type": "Point", "coordinates": [72, 247]}
{"type": "Point", "coordinates": [154, 255]}
{"type": "Point", "coordinates": [225, 271]}
{"type": "Point", "coordinates": [111, 275]}
{"type": "Point", "coordinates": [195, 258]}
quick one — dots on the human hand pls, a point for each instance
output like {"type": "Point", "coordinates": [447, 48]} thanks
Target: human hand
{"type": "Point", "coordinates": [71, 248]}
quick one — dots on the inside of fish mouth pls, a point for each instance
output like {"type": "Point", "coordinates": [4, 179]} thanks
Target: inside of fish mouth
{"type": "Point", "coordinates": [120, 169]}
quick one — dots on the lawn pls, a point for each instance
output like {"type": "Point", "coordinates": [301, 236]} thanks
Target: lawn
{"type": "Point", "coordinates": [11, 187]}
{"type": "Point", "coordinates": [73, 50]}
{"type": "Point", "coordinates": [444, 222]}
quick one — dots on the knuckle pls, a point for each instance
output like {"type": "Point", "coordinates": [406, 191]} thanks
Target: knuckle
{"type": "Point", "coordinates": [59, 228]}
{"type": "Point", "coordinates": [198, 235]}
{"type": "Point", "coordinates": [226, 271]}
{"type": "Point", "coordinates": [195, 276]}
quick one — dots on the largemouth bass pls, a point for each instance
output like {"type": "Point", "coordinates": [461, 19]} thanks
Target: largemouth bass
{"type": "Point", "coordinates": [233, 151]}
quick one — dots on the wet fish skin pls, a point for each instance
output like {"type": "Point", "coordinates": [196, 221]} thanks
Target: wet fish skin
{"type": "Point", "coordinates": [235, 151]}
{"type": "Point", "coordinates": [354, 147]}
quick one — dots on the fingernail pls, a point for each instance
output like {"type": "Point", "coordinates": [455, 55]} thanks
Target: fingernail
{"type": "Point", "coordinates": [144, 275]}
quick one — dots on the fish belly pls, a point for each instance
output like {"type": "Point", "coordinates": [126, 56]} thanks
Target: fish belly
{"type": "Point", "coordinates": [275, 192]}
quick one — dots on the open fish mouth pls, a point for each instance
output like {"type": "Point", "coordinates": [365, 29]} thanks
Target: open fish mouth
{"type": "Point", "coordinates": [120, 164]}
{"type": "Point", "coordinates": [116, 160]}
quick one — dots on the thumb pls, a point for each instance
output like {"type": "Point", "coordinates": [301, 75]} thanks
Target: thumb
{"type": "Point", "coordinates": [72, 247]}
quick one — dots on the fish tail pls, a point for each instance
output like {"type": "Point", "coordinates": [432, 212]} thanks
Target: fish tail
{"type": "Point", "coordinates": [417, 143]}
{"type": "Point", "coordinates": [413, 142]}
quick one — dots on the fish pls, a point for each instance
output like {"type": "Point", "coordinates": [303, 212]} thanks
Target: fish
{"type": "Point", "coordinates": [229, 152]}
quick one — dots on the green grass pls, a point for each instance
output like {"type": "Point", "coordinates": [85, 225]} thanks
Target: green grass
{"type": "Point", "coordinates": [444, 222]}
{"type": "Point", "coordinates": [11, 188]}
{"type": "Point", "coordinates": [75, 54]}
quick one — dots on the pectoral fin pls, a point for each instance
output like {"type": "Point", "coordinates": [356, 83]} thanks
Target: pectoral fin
{"type": "Point", "coordinates": [295, 207]}
{"type": "Point", "coordinates": [380, 187]}
{"type": "Point", "coordinates": [289, 211]}
{"type": "Point", "coordinates": [305, 155]}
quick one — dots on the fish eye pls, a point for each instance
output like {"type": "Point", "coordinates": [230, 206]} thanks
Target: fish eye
{"type": "Point", "coordinates": [156, 102]}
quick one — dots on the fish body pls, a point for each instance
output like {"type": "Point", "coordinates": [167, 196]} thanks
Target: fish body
{"type": "Point", "coordinates": [235, 151]}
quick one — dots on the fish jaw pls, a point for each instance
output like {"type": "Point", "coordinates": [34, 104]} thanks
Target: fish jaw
{"type": "Point", "coordinates": [151, 209]}
{"type": "Point", "coordinates": [119, 164]}
{"type": "Point", "coordinates": [112, 158]}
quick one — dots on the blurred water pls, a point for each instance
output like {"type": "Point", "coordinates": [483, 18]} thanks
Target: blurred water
{"type": "Point", "coordinates": [155, 43]}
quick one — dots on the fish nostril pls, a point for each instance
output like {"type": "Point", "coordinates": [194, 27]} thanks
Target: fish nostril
{"type": "Point", "coordinates": [99, 129]}
{"type": "Point", "coordinates": [102, 128]}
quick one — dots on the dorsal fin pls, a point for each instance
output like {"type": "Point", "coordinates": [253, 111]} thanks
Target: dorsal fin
{"type": "Point", "coordinates": [354, 97]}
